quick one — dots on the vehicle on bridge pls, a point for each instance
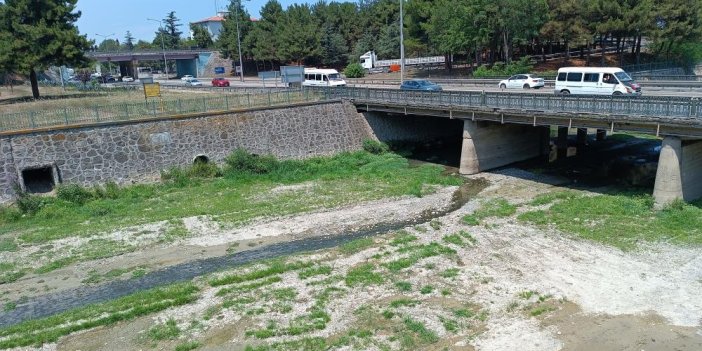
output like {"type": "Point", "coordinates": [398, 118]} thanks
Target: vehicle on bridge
{"type": "Point", "coordinates": [370, 62]}
{"type": "Point", "coordinates": [595, 81]}
{"type": "Point", "coordinates": [186, 78]}
{"type": "Point", "coordinates": [193, 82]}
{"type": "Point", "coordinates": [127, 79]}
{"type": "Point", "coordinates": [420, 84]}
{"type": "Point", "coordinates": [220, 82]}
{"type": "Point", "coordinates": [315, 77]}
{"type": "Point", "coordinates": [522, 81]}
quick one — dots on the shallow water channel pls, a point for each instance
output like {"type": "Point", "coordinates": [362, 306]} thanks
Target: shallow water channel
{"type": "Point", "coordinates": [51, 304]}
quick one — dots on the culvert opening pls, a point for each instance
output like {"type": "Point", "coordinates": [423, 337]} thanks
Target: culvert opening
{"type": "Point", "coordinates": [201, 159]}
{"type": "Point", "coordinates": [38, 180]}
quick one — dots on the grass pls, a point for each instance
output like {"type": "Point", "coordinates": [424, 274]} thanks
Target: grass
{"type": "Point", "coordinates": [317, 319]}
{"type": "Point", "coordinates": [273, 268]}
{"type": "Point", "coordinates": [166, 331]}
{"type": "Point", "coordinates": [622, 220]}
{"type": "Point", "coordinates": [249, 287]}
{"type": "Point", "coordinates": [417, 253]}
{"type": "Point", "coordinates": [7, 245]}
{"type": "Point", "coordinates": [402, 238]}
{"type": "Point", "coordinates": [450, 273]}
{"type": "Point", "coordinates": [355, 246]}
{"type": "Point", "coordinates": [363, 275]}
{"type": "Point", "coordinates": [314, 271]}
{"type": "Point", "coordinates": [425, 335]}
{"type": "Point", "coordinates": [233, 198]}
{"type": "Point", "coordinates": [454, 239]}
{"type": "Point", "coordinates": [450, 325]}
{"type": "Point", "coordinates": [37, 332]}
{"type": "Point", "coordinates": [427, 289]}
{"type": "Point", "coordinates": [404, 302]}
{"type": "Point", "coordinates": [494, 208]}
{"type": "Point", "coordinates": [537, 311]}
{"type": "Point", "coordinates": [188, 346]}
{"type": "Point", "coordinates": [403, 286]}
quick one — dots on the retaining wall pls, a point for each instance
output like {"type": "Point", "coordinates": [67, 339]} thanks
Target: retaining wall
{"type": "Point", "coordinates": [136, 151]}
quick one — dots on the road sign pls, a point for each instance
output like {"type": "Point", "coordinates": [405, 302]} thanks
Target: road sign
{"type": "Point", "coordinates": [219, 70]}
{"type": "Point", "coordinates": [152, 90]}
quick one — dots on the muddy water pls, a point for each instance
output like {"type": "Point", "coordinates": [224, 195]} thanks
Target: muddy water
{"type": "Point", "coordinates": [50, 304]}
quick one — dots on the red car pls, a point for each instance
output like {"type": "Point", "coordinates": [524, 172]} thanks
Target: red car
{"type": "Point", "coordinates": [220, 82]}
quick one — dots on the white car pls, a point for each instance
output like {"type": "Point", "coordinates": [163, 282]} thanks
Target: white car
{"type": "Point", "coordinates": [186, 78]}
{"type": "Point", "coordinates": [193, 82]}
{"type": "Point", "coordinates": [127, 79]}
{"type": "Point", "coordinates": [521, 81]}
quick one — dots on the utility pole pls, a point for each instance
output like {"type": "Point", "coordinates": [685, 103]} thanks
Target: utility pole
{"type": "Point", "coordinates": [238, 40]}
{"type": "Point", "coordinates": [402, 46]}
{"type": "Point", "coordinates": [163, 45]}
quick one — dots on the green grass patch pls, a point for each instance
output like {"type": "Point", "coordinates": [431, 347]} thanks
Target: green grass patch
{"type": "Point", "coordinates": [355, 246]}
{"type": "Point", "coordinates": [402, 238]}
{"type": "Point", "coordinates": [7, 245]}
{"type": "Point", "coordinates": [526, 295]}
{"type": "Point", "coordinates": [493, 208]}
{"type": "Point", "coordinates": [403, 286]}
{"type": "Point", "coordinates": [188, 346]}
{"type": "Point", "coordinates": [276, 267]}
{"type": "Point", "coordinates": [314, 271]}
{"type": "Point", "coordinates": [244, 288]}
{"type": "Point", "coordinates": [166, 331]}
{"type": "Point", "coordinates": [454, 239]}
{"type": "Point", "coordinates": [306, 344]}
{"type": "Point", "coordinates": [232, 195]}
{"type": "Point", "coordinates": [539, 310]}
{"type": "Point", "coordinates": [416, 253]}
{"type": "Point", "coordinates": [450, 273]}
{"type": "Point", "coordinates": [40, 331]}
{"type": "Point", "coordinates": [363, 275]}
{"type": "Point", "coordinates": [315, 320]}
{"type": "Point", "coordinates": [403, 302]}
{"type": "Point", "coordinates": [425, 335]}
{"type": "Point", "coordinates": [427, 289]}
{"type": "Point", "coordinates": [545, 199]}
{"type": "Point", "coordinates": [450, 325]}
{"type": "Point", "coordinates": [471, 220]}
{"type": "Point", "coordinates": [622, 220]}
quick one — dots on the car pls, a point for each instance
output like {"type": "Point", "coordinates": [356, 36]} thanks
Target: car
{"type": "Point", "coordinates": [127, 79]}
{"type": "Point", "coordinates": [96, 75]}
{"type": "Point", "coordinates": [186, 77]}
{"type": "Point", "coordinates": [420, 84]}
{"type": "Point", "coordinates": [220, 82]}
{"type": "Point", "coordinates": [107, 79]}
{"type": "Point", "coordinates": [193, 82]}
{"type": "Point", "coordinates": [521, 81]}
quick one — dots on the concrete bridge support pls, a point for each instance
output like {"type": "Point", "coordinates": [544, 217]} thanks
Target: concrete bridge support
{"type": "Point", "coordinates": [488, 145]}
{"type": "Point", "coordinates": [679, 174]}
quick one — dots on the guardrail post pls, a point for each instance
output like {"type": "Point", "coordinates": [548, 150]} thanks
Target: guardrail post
{"type": "Point", "coordinates": [248, 99]}
{"type": "Point", "coordinates": [126, 109]}
{"type": "Point", "coordinates": [65, 115]}
{"type": "Point", "coordinates": [204, 105]}
{"type": "Point", "coordinates": [180, 106]}
{"type": "Point", "coordinates": [153, 107]}
{"type": "Point", "coordinates": [31, 119]}
{"type": "Point", "coordinates": [483, 98]}
{"type": "Point", "coordinates": [97, 114]}
{"type": "Point", "coordinates": [269, 98]}
{"type": "Point", "coordinates": [226, 101]}
{"type": "Point", "coordinates": [288, 95]}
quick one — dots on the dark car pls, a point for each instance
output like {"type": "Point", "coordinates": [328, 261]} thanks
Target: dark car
{"type": "Point", "coordinates": [220, 82]}
{"type": "Point", "coordinates": [420, 84]}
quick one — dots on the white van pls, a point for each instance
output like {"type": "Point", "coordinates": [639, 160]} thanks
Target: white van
{"type": "Point", "coordinates": [315, 77]}
{"type": "Point", "coordinates": [595, 81]}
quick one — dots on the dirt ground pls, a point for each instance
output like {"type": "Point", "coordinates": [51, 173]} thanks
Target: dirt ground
{"type": "Point", "coordinates": [506, 286]}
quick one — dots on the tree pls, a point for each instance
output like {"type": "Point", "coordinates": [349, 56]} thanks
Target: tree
{"type": "Point", "coordinates": [388, 44]}
{"type": "Point", "coordinates": [44, 34]}
{"type": "Point", "coordinates": [227, 40]}
{"type": "Point", "coordinates": [129, 41]}
{"type": "Point", "coordinates": [170, 32]}
{"type": "Point", "coordinates": [264, 37]}
{"type": "Point", "coordinates": [145, 45]}
{"type": "Point", "coordinates": [333, 48]}
{"type": "Point", "coordinates": [109, 45]}
{"type": "Point", "coordinates": [300, 37]}
{"type": "Point", "coordinates": [201, 36]}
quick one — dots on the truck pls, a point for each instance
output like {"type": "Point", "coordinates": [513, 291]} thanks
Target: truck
{"type": "Point", "coordinates": [370, 62]}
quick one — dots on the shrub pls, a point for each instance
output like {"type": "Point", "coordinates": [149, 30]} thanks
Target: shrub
{"type": "Point", "coordinates": [500, 69]}
{"type": "Point", "coordinates": [204, 170]}
{"type": "Point", "coordinates": [354, 70]}
{"type": "Point", "coordinates": [74, 193]}
{"type": "Point", "coordinates": [29, 204]}
{"type": "Point", "coordinates": [241, 161]}
{"type": "Point", "coordinates": [375, 147]}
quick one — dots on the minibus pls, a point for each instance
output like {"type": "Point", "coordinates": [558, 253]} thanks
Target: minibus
{"type": "Point", "coordinates": [595, 81]}
{"type": "Point", "coordinates": [315, 77]}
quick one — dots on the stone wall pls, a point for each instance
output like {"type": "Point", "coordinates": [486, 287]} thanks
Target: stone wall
{"type": "Point", "coordinates": [136, 151]}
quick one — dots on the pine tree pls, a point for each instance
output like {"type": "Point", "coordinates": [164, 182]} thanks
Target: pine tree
{"type": "Point", "coordinates": [201, 36]}
{"type": "Point", "coordinates": [129, 41]}
{"type": "Point", "coordinates": [44, 34]}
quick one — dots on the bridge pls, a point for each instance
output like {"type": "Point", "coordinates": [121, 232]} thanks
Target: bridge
{"type": "Point", "coordinates": [496, 129]}
{"type": "Point", "coordinates": [187, 60]}
{"type": "Point", "coordinates": [503, 128]}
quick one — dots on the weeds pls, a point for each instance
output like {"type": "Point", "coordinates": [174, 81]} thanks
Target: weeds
{"type": "Point", "coordinates": [403, 302]}
{"type": "Point", "coordinates": [188, 346]}
{"type": "Point", "coordinates": [427, 289]}
{"type": "Point", "coordinates": [450, 273]}
{"type": "Point", "coordinates": [166, 331]}
{"type": "Point", "coordinates": [403, 286]}
{"type": "Point", "coordinates": [274, 268]}
{"type": "Point", "coordinates": [314, 271]}
{"type": "Point", "coordinates": [363, 275]}
{"type": "Point", "coordinates": [417, 253]}
{"type": "Point", "coordinates": [355, 246]}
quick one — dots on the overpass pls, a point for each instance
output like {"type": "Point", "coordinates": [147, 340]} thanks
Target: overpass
{"type": "Point", "coordinates": [502, 128]}
{"type": "Point", "coordinates": [187, 60]}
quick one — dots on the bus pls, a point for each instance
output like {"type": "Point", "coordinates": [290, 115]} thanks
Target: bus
{"type": "Point", "coordinates": [315, 77]}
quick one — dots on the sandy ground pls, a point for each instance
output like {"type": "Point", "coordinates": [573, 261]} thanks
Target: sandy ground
{"type": "Point", "coordinates": [535, 289]}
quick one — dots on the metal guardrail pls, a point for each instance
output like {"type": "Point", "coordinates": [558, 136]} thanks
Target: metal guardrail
{"type": "Point", "coordinates": [229, 90]}
{"type": "Point", "coordinates": [632, 107]}
{"type": "Point", "coordinates": [649, 80]}
{"type": "Point", "coordinates": [151, 109]}
{"type": "Point", "coordinates": [147, 51]}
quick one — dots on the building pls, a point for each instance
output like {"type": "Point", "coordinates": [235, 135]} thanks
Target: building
{"type": "Point", "coordinates": [212, 24]}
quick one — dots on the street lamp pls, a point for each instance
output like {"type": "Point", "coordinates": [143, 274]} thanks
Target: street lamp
{"type": "Point", "coordinates": [104, 38]}
{"type": "Point", "coordinates": [238, 40]}
{"type": "Point", "coordinates": [402, 46]}
{"type": "Point", "coordinates": [163, 46]}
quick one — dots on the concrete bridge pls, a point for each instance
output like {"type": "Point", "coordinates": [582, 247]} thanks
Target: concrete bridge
{"type": "Point", "coordinates": [126, 143]}
{"type": "Point", "coordinates": [503, 128]}
{"type": "Point", "coordinates": [187, 60]}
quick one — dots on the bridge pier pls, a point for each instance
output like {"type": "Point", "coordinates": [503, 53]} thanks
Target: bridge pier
{"type": "Point", "coordinates": [679, 174]}
{"type": "Point", "coordinates": [488, 145]}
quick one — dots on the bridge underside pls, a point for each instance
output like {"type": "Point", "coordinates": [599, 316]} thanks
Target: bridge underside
{"type": "Point", "coordinates": [494, 138]}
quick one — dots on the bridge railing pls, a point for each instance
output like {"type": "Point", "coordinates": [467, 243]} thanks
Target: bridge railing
{"type": "Point", "coordinates": [632, 107]}
{"type": "Point", "coordinates": [66, 116]}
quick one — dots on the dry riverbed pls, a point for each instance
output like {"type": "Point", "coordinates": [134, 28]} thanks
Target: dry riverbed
{"type": "Point", "coordinates": [487, 283]}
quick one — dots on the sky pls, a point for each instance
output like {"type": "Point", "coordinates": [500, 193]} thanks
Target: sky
{"type": "Point", "coordinates": [115, 18]}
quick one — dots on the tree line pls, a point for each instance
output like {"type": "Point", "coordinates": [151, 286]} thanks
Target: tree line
{"type": "Point", "coordinates": [478, 31]}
